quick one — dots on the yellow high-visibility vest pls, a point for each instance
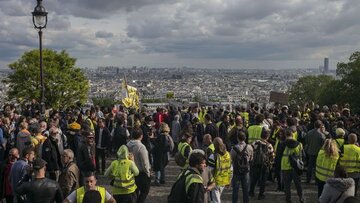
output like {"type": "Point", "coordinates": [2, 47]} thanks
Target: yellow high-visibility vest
{"type": "Point", "coordinates": [325, 165]}
{"type": "Point", "coordinates": [254, 133]}
{"type": "Point", "coordinates": [124, 181]}
{"type": "Point", "coordinates": [222, 173]}
{"type": "Point", "coordinates": [285, 163]}
{"type": "Point", "coordinates": [351, 158]}
{"type": "Point", "coordinates": [80, 193]}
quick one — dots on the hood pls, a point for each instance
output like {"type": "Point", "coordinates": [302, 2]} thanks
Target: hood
{"type": "Point", "coordinates": [133, 143]}
{"type": "Point", "coordinates": [341, 184]}
{"type": "Point", "coordinates": [123, 152]}
{"type": "Point", "coordinates": [290, 143]}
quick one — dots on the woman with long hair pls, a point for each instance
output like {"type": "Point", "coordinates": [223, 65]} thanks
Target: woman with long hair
{"type": "Point", "coordinates": [220, 164]}
{"type": "Point", "coordinates": [326, 162]}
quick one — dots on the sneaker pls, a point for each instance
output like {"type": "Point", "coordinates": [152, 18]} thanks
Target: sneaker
{"type": "Point", "coordinates": [261, 196]}
{"type": "Point", "coordinates": [162, 182]}
{"type": "Point", "coordinates": [251, 194]}
{"type": "Point", "coordinates": [155, 184]}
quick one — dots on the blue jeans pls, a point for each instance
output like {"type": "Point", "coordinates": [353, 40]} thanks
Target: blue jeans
{"type": "Point", "coordinates": [244, 179]}
{"type": "Point", "coordinates": [160, 176]}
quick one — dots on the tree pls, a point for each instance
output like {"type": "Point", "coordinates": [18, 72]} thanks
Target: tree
{"type": "Point", "coordinates": [350, 78]}
{"type": "Point", "coordinates": [309, 88]}
{"type": "Point", "coordinates": [64, 83]}
{"type": "Point", "coordinates": [106, 102]}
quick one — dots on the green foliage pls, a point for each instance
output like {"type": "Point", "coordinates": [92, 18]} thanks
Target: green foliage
{"type": "Point", "coordinates": [106, 102]}
{"type": "Point", "coordinates": [309, 88]}
{"type": "Point", "coordinates": [64, 83]}
{"type": "Point", "coordinates": [332, 94]}
{"type": "Point", "coordinates": [350, 79]}
{"type": "Point", "coordinates": [170, 95]}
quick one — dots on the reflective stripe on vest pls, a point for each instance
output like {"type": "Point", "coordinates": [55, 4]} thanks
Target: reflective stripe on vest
{"type": "Point", "coordinates": [222, 173]}
{"type": "Point", "coordinates": [124, 178]}
{"type": "Point", "coordinates": [325, 166]}
{"type": "Point", "coordinates": [351, 158]}
{"type": "Point", "coordinates": [190, 179]}
{"type": "Point", "coordinates": [80, 193]}
{"type": "Point", "coordinates": [254, 132]}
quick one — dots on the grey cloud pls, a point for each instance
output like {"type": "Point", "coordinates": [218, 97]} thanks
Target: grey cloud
{"type": "Point", "coordinates": [17, 8]}
{"type": "Point", "coordinates": [61, 23]}
{"type": "Point", "coordinates": [103, 34]}
{"type": "Point", "coordinates": [100, 9]}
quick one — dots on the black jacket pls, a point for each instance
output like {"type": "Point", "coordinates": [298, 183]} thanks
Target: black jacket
{"type": "Point", "coordinates": [105, 137]}
{"type": "Point", "coordinates": [83, 159]}
{"type": "Point", "coordinates": [51, 154]}
{"type": "Point", "coordinates": [41, 191]}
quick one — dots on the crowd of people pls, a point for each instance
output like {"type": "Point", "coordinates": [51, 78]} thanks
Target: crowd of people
{"type": "Point", "coordinates": [57, 157]}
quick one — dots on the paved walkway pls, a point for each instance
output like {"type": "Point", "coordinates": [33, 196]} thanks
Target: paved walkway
{"type": "Point", "coordinates": [158, 194]}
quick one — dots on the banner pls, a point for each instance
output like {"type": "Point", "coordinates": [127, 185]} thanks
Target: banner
{"type": "Point", "coordinates": [130, 95]}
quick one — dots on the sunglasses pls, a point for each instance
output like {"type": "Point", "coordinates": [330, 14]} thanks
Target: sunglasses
{"type": "Point", "coordinates": [90, 138]}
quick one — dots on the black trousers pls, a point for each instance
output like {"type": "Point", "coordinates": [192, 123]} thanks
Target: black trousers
{"type": "Point", "coordinates": [100, 154]}
{"type": "Point", "coordinates": [259, 175]}
{"type": "Point", "coordinates": [128, 198]}
{"type": "Point", "coordinates": [143, 182]}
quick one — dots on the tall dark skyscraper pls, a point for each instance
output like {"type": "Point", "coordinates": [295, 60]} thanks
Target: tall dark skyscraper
{"type": "Point", "coordinates": [326, 65]}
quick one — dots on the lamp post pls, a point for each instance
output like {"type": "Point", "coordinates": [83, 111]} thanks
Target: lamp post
{"type": "Point", "coordinates": [40, 20]}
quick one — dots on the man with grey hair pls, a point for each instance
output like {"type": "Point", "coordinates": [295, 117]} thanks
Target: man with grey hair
{"type": "Point", "coordinates": [69, 177]}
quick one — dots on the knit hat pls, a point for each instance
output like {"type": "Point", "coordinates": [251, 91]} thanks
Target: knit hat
{"type": "Point", "coordinates": [340, 131]}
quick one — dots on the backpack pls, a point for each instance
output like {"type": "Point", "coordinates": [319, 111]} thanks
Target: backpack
{"type": "Point", "coordinates": [178, 190]}
{"type": "Point", "coordinates": [180, 160]}
{"type": "Point", "coordinates": [296, 163]}
{"type": "Point", "coordinates": [261, 155]}
{"type": "Point", "coordinates": [241, 163]}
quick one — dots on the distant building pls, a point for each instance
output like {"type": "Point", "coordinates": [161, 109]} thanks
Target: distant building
{"type": "Point", "coordinates": [326, 65]}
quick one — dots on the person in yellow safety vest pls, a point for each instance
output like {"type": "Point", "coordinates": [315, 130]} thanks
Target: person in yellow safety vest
{"type": "Point", "coordinates": [208, 145]}
{"type": "Point", "coordinates": [340, 141]}
{"type": "Point", "coordinates": [245, 116]}
{"type": "Point", "coordinates": [274, 138]}
{"type": "Point", "coordinates": [351, 159]}
{"type": "Point", "coordinates": [185, 148]}
{"type": "Point", "coordinates": [291, 147]}
{"type": "Point", "coordinates": [193, 185]}
{"type": "Point", "coordinates": [326, 162]}
{"type": "Point", "coordinates": [255, 131]}
{"type": "Point", "coordinates": [77, 196]}
{"type": "Point", "coordinates": [123, 171]}
{"type": "Point", "coordinates": [202, 114]}
{"type": "Point", "coordinates": [220, 165]}
{"type": "Point", "coordinates": [293, 123]}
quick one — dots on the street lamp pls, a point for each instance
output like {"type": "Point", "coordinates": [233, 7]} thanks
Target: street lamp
{"type": "Point", "coordinates": [40, 20]}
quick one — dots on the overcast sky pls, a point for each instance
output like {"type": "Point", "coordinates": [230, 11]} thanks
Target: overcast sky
{"type": "Point", "coordinates": [193, 33]}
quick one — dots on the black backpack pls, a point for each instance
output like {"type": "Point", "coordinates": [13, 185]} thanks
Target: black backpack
{"type": "Point", "coordinates": [241, 163]}
{"type": "Point", "coordinates": [296, 163]}
{"type": "Point", "coordinates": [178, 190]}
{"type": "Point", "coordinates": [261, 155]}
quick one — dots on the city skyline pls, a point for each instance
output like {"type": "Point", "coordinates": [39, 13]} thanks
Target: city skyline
{"type": "Point", "coordinates": [206, 34]}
